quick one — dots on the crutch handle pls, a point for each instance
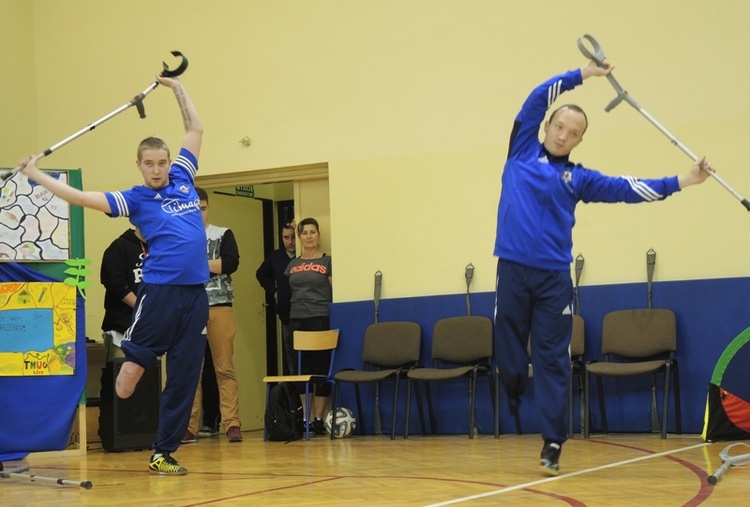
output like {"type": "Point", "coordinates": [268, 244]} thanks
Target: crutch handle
{"type": "Point", "coordinates": [137, 101]}
{"type": "Point", "coordinates": [179, 70]}
{"type": "Point", "coordinates": [6, 176]}
{"type": "Point", "coordinates": [597, 55]}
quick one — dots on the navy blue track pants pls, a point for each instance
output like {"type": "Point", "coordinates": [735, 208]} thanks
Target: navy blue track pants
{"type": "Point", "coordinates": [170, 319]}
{"type": "Point", "coordinates": [535, 304]}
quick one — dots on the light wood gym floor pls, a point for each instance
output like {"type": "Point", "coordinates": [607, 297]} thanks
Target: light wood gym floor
{"type": "Point", "coordinates": [614, 470]}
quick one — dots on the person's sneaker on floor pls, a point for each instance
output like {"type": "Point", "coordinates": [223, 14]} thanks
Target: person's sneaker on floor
{"type": "Point", "coordinates": [206, 431]}
{"type": "Point", "coordinates": [317, 427]}
{"type": "Point", "coordinates": [189, 438]}
{"type": "Point", "coordinates": [165, 464]}
{"type": "Point", "coordinates": [234, 434]}
{"type": "Point", "coordinates": [550, 457]}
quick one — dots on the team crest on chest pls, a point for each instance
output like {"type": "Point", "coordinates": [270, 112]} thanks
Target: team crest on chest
{"type": "Point", "coordinates": [567, 176]}
{"type": "Point", "coordinates": [185, 189]}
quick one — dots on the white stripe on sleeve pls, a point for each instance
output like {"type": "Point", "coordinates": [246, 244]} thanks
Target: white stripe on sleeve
{"type": "Point", "coordinates": [187, 164]}
{"type": "Point", "coordinates": [122, 204]}
{"type": "Point", "coordinates": [553, 92]}
{"type": "Point", "coordinates": [642, 189]}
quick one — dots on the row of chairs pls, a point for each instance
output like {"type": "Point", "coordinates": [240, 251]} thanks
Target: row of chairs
{"type": "Point", "coordinates": [462, 348]}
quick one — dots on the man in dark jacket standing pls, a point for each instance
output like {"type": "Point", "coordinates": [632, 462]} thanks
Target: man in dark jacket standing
{"type": "Point", "coordinates": [121, 272]}
{"type": "Point", "coordinates": [271, 276]}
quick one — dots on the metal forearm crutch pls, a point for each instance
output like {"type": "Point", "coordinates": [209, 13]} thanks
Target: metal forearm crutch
{"type": "Point", "coordinates": [16, 472]}
{"type": "Point", "coordinates": [598, 57]}
{"type": "Point", "coordinates": [728, 461]}
{"type": "Point", "coordinates": [136, 101]}
{"type": "Point", "coordinates": [376, 299]}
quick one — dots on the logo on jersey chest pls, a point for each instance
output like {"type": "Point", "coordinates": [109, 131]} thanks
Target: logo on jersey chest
{"type": "Point", "coordinates": [177, 207]}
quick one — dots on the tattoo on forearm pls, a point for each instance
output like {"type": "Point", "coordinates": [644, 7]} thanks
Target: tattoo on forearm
{"type": "Point", "coordinates": [187, 119]}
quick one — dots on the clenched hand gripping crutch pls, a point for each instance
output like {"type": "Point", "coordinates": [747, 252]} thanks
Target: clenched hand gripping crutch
{"type": "Point", "coordinates": [136, 101]}
{"type": "Point", "coordinates": [598, 57]}
{"type": "Point", "coordinates": [727, 461]}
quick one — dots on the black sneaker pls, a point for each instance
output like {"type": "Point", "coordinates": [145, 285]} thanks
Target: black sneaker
{"type": "Point", "coordinates": [317, 427]}
{"type": "Point", "coordinates": [550, 457]}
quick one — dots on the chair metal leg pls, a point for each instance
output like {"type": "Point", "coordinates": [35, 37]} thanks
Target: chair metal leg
{"type": "Point", "coordinates": [308, 414]}
{"type": "Point", "coordinates": [582, 395]}
{"type": "Point", "coordinates": [378, 423]}
{"type": "Point", "coordinates": [409, 382]}
{"type": "Point", "coordinates": [677, 409]}
{"type": "Point", "coordinates": [395, 407]}
{"type": "Point", "coordinates": [494, 390]}
{"type": "Point", "coordinates": [570, 407]}
{"type": "Point", "coordinates": [428, 393]}
{"type": "Point", "coordinates": [665, 407]}
{"type": "Point", "coordinates": [335, 403]}
{"type": "Point", "coordinates": [472, 399]}
{"type": "Point", "coordinates": [602, 408]}
{"type": "Point", "coordinates": [359, 410]}
{"type": "Point", "coordinates": [422, 424]}
{"type": "Point", "coordinates": [268, 398]}
{"type": "Point", "coordinates": [586, 408]}
{"type": "Point", "coordinates": [654, 408]}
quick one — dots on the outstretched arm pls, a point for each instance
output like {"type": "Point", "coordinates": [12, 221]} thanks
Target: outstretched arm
{"type": "Point", "coordinates": [94, 200]}
{"type": "Point", "coordinates": [193, 126]}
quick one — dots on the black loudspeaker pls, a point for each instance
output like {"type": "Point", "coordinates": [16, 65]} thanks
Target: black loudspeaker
{"type": "Point", "coordinates": [132, 423]}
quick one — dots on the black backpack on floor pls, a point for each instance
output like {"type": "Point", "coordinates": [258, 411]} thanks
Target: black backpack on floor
{"type": "Point", "coordinates": [283, 418]}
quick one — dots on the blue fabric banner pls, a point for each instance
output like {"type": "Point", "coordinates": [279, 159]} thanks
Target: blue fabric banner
{"type": "Point", "coordinates": [37, 413]}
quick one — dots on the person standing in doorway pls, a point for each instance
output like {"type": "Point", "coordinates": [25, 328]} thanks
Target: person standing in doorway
{"type": "Point", "coordinates": [271, 276]}
{"type": "Point", "coordinates": [310, 280]}
{"type": "Point", "coordinates": [223, 260]}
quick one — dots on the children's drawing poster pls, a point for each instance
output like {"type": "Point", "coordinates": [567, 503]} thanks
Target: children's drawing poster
{"type": "Point", "coordinates": [34, 223]}
{"type": "Point", "coordinates": [37, 329]}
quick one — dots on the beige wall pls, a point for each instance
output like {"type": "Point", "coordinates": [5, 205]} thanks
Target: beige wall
{"type": "Point", "coordinates": [18, 110]}
{"type": "Point", "coordinates": [411, 105]}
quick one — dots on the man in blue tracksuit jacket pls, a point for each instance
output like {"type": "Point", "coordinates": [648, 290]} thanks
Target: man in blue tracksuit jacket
{"type": "Point", "coordinates": [540, 190]}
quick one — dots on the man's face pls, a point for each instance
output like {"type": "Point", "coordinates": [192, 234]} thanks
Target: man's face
{"type": "Point", "coordinates": [563, 132]}
{"type": "Point", "coordinates": [287, 236]}
{"type": "Point", "coordinates": [205, 208]}
{"type": "Point", "coordinates": [154, 165]}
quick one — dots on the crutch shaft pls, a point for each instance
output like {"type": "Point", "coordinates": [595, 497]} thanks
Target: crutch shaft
{"type": "Point", "coordinates": [713, 479]}
{"type": "Point", "coordinates": [692, 156]}
{"type": "Point", "coordinates": [137, 100]}
{"type": "Point", "coordinates": [62, 482]}
{"type": "Point", "coordinates": [598, 57]}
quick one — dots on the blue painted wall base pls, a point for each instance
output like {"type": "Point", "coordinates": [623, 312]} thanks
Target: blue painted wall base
{"type": "Point", "coordinates": [710, 313]}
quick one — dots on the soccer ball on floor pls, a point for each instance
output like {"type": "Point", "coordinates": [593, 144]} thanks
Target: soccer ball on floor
{"type": "Point", "coordinates": [345, 423]}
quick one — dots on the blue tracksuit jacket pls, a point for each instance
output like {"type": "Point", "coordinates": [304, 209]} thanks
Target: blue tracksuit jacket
{"type": "Point", "coordinates": [535, 217]}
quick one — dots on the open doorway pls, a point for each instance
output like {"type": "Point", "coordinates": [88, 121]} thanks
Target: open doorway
{"type": "Point", "coordinates": [254, 204]}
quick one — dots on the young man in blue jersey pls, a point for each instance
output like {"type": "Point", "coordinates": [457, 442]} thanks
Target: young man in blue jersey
{"type": "Point", "coordinates": [540, 189]}
{"type": "Point", "coordinates": [171, 310]}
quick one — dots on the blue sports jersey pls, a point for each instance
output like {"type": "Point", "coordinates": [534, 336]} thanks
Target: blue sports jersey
{"type": "Point", "coordinates": [539, 194]}
{"type": "Point", "coordinates": [170, 219]}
